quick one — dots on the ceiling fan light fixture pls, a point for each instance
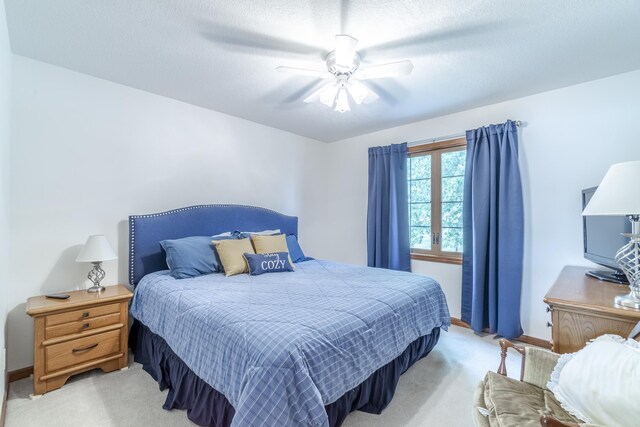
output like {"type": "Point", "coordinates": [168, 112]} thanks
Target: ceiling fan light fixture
{"type": "Point", "coordinates": [342, 101]}
{"type": "Point", "coordinates": [343, 67]}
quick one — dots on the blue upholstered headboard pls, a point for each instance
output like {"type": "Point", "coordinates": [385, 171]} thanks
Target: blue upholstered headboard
{"type": "Point", "coordinates": [146, 231]}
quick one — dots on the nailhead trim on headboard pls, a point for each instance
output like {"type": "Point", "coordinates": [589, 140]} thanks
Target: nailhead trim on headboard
{"type": "Point", "coordinates": [132, 236]}
{"type": "Point", "coordinates": [132, 233]}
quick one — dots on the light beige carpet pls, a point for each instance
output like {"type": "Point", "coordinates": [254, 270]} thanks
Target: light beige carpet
{"type": "Point", "coordinates": [436, 391]}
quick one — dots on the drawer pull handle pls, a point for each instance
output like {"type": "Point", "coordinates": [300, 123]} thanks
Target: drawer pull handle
{"type": "Point", "coordinates": [85, 325]}
{"type": "Point", "coordinates": [549, 325]}
{"type": "Point", "coordinates": [79, 350]}
{"type": "Point", "coordinates": [85, 314]}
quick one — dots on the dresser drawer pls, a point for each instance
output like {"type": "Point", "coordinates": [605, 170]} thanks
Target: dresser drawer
{"type": "Point", "coordinates": [78, 315]}
{"type": "Point", "coordinates": [574, 328]}
{"type": "Point", "coordinates": [69, 353]}
{"type": "Point", "coordinates": [81, 326]}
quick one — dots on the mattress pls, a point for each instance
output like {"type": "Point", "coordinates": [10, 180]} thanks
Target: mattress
{"type": "Point", "coordinates": [281, 346]}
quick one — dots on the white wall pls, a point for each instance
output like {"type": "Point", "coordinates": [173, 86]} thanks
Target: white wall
{"type": "Point", "coordinates": [86, 153]}
{"type": "Point", "coordinates": [5, 104]}
{"type": "Point", "coordinates": [571, 137]}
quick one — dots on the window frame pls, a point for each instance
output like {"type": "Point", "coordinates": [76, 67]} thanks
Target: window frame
{"type": "Point", "coordinates": [435, 149]}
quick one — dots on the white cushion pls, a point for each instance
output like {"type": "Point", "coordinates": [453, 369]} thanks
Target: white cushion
{"type": "Point", "coordinates": [263, 232]}
{"type": "Point", "coordinates": [600, 384]}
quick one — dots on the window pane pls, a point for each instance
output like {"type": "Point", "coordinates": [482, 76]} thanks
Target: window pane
{"type": "Point", "coordinates": [451, 183]}
{"type": "Point", "coordinates": [453, 163]}
{"type": "Point", "coordinates": [452, 189]}
{"type": "Point", "coordinates": [421, 237]}
{"type": "Point", "coordinates": [452, 214]}
{"type": "Point", "coordinates": [420, 190]}
{"type": "Point", "coordinates": [451, 240]}
{"type": "Point", "coordinates": [420, 167]}
{"type": "Point", "coordinates": [420, 214]}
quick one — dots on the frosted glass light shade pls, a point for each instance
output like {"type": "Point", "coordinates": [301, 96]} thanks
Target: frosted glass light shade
{"type": "Point", "coordinates": [342, 102]}
{"type": "Point", "coordinates": [358, 91]}
{"type": "Point", "coordinates": [97, 248]}
{"type": "Point", "coordinates": [619, 192]}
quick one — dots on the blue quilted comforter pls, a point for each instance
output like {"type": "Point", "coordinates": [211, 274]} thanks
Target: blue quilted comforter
{"type": "Point", "coordinates": [280, 346]}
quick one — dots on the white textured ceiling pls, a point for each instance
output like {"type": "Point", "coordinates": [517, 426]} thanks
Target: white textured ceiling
{"type": "Point", "coordinates": [222, 55]}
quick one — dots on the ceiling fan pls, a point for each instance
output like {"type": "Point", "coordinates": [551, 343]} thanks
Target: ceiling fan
{"type": "Point", "coordinates": [343, 69]}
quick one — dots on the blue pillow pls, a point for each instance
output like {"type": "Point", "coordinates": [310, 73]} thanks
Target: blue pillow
{"type": "Point", "coordinates": [295, 251]}
{"type": "Point", "coordinates": [268, 263]}
{"type": "Point", "coordinates": [191, 256]}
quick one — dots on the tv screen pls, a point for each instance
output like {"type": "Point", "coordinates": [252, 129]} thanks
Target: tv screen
{"type": "Point", "coordinates": [603, 234]}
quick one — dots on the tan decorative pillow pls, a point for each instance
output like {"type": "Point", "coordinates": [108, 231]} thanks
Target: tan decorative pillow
{"type": "Point", "coordinates": [231, 254]}
{"type": "Point", "coordinates": [270, 244]}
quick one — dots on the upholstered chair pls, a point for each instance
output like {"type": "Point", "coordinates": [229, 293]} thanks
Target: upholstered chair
{"type": "Point", "coordinates": [504, 401]}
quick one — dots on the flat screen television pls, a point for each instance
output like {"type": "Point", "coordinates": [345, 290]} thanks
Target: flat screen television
{"type": "Point", "coordinates": [602, 237]}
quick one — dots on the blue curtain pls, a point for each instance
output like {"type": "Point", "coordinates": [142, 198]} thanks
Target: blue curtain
{"type": "Point", "coordinates": [388, 208]}
{"type": "Point", "coordinates": [493, 231]}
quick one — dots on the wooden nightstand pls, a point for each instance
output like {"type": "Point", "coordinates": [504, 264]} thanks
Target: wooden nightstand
{"type": "Point", "coordinates": [84, 332]}
{"type": "Point", "coordinates": [582, 308]}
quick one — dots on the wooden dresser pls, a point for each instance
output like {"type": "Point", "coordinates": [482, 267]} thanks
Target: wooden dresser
{"type": "Point", "coordinates": [582, 308]}
{"type": "Point", "coordinates": [84, 332]}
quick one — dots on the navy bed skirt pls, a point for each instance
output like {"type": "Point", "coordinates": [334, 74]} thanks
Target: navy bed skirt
{"type": "Point", "coordinates": [208, 407]}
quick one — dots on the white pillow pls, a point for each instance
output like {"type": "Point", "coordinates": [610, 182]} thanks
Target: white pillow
{"type": "Point", "coordinates": [226, 234]}
{"type": "Point", "coordinates": [263, 232]}
{"type": "Point", "coordinates": [600, 384]}
{"type": "Point", "coordinates": [260, 233]}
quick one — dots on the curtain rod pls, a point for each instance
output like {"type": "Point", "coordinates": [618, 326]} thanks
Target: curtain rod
{"type": "Point", "coordinates": [445, 138]}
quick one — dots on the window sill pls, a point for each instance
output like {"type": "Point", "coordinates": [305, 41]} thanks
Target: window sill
{"type": "Point", "coordinates": [446, 259]}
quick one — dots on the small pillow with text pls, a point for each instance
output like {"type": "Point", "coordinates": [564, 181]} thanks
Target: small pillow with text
{"type": "Point", "coordinates": [268, 263]}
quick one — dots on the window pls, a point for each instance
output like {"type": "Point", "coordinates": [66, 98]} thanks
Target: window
{"type": "Point", "coordinates": [436, 183]}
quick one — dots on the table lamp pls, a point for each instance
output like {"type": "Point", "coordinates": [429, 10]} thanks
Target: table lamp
{"type": "Point", "coordinates": [619, 195]}
{"type": "Point", "coordinates": [96, 250]}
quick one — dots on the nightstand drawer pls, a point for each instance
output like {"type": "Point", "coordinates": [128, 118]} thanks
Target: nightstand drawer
{"type": "Point", "coordinates": [69, 353]}
{"type": "Point", "coordinates": [81, 326]}
{"type": "Point", "coordinates": [78, 315]}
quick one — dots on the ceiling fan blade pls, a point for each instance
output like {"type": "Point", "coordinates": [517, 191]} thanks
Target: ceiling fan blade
{"type": "Point", "coordinates": [434, 41]}
{"type": "Point", "coordinates": [326, 94]}
{"type": "Point", "coordinates": [345, 50]}
{"type": "Point", "coordinates": [305, 72]}
{"type": "Point", "coordinates": [372, 97]}
{"type": "Point", "coordinates": [315, 95]}
{"type": "Point", "coordinates": [238, 40]}
{"type": "Point", "coordinates": [391, 69]}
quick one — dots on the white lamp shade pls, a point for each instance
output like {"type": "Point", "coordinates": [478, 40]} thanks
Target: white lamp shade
{"type": "Point", "coordinates": [96, 249]}
{"type": "Point", "coordinates": [619, 192]}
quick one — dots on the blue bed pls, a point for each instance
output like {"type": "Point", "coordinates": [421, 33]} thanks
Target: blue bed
{"type": "Point", "coordinates": [281, 349]}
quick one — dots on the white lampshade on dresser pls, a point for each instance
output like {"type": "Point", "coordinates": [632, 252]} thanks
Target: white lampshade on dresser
{"type": "Point", "coordinates": [96, 250]}
{"type": "Point", "coordinates": [619, 195]}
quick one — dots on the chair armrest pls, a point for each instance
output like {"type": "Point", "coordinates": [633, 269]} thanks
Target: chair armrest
{"type": "Point", "coordinates": [504, 345]}
{"type": "Point", "coordinates": [549, 421]}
